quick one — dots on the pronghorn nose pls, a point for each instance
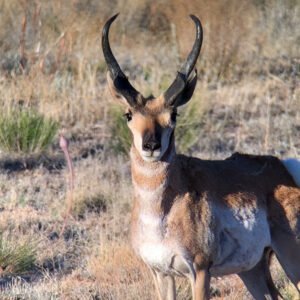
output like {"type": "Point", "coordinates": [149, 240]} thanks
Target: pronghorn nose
{"type": "Point", "coordinates": [151, 145]}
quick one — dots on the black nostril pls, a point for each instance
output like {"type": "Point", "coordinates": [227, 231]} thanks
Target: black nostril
{"type": "Point", "coordinates": [151, 146]}
{"type": "Point", "coordinates": [155, 146]}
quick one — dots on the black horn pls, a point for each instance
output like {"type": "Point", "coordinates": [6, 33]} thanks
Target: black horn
{"type": "Point", "coordinates": [182, 78]}
{"type": "Point", "coordinates": [119, 79]}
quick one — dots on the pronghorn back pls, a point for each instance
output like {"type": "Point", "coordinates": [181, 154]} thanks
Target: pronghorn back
{"type": "Point", "coordinates": [293, 166]}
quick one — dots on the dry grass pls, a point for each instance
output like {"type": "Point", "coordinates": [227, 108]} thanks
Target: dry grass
{"type": "Point", "coordinates": [247, 99]}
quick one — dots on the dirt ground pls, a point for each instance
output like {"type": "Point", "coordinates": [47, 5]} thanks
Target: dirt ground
{"type": "Point", "coordinates": [247, 100]}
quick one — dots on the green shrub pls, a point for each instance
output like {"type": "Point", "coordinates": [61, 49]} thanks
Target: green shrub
{"type": "Point", "coordinates": [120, 135]}
{"type": "Point", "coordinates": [188, 126]}
{"type": "Point", "coordinates": [16, 258]}
{"type": "Point", "coordinates": [25, 131]}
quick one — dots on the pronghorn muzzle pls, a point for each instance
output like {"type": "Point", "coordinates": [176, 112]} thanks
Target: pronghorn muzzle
{"type": "Point", "coordinates": [151, 142]}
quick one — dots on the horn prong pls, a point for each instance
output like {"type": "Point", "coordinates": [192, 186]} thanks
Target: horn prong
{"type": "Point", "coordinates": [181, 79]}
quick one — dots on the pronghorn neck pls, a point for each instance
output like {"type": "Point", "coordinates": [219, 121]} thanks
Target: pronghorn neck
{"type": "Point", "coordinates": [150, 179]}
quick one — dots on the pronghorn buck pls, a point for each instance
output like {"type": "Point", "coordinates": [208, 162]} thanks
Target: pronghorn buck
{"type": "Point", "coordinates": [199, 218]}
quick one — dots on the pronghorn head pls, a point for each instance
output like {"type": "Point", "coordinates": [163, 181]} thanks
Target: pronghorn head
{"type": "Point", "coordinates": [152, 120]}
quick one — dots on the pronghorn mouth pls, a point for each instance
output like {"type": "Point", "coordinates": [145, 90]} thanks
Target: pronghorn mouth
{"type": "Point", "coordinates": [151, 156]}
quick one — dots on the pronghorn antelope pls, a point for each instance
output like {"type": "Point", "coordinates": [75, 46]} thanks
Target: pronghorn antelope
{"type": "Point", "coordinates": [199, 218]}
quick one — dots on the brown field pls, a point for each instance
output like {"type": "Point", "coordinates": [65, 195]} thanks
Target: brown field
{"type": "Point", "coordinates": [247, 99]}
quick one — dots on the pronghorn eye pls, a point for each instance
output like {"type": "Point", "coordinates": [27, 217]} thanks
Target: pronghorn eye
{"type": "Point", "coordinates": [174, 114]}
{"type": "Point", "coordinates": [128, 116]}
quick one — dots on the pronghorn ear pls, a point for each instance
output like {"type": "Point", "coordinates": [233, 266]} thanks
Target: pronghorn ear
{"type": "Point", "coordinates": [187, 92]}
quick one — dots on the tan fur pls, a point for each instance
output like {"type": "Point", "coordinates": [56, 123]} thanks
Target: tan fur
{"type": "Point", "coordinates": [179, 205]}
{"type": "Point", "coordinates": [289, 199]}
{"type": "Point", "coordinates": [149, 182]}
{"type": "Point", "coordinates": [199, 218]}
{"type": "Point", "coordinates": [156, 105]}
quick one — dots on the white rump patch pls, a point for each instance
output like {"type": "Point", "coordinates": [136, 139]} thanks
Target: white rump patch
{"type": "Point", "coordinates": [293, 166]}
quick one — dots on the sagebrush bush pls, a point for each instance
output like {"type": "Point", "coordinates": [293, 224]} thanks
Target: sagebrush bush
{"type": "Point", "coordinates": [25, 131]}
{"type": "Point", "coordinates": [16, 258]}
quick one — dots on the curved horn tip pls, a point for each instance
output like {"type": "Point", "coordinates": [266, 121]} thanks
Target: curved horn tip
{"type": "Point", "coordinates": [108, 23]}
{"type": "Point", "coordinates": [198, 26]}
{"type": "Point", "coordinates": [113, 17]}
{"type": "Point", "coordinates": [197, 21]}
{"type": "Point", "coordinates": [194, 18]}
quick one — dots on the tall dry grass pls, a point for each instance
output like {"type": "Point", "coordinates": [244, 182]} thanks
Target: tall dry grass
{"type": "Point", "coordinates": [247, 99]}
{"type": "Point", "coordinates": [64, 69]}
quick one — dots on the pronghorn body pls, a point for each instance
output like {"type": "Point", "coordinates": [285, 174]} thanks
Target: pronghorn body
{"type": "Point", "coordinates": [216, 209]}
{"type": "Point", "coordinates": [199, 218]}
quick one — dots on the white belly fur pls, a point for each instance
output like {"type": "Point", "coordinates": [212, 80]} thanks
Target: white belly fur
{"type": "Point", "coordinates": [156, 255]}
{"type": "Point", "coordinates": [166, 259]}
{"type": "Point", "coordinates": [158, 251]}
{"type": "Point", "coordinates": [243, 235]}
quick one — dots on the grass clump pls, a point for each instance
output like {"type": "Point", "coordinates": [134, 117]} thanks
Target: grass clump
{"type": "Point", "coordinates": [25, 131]}
{"type": "Point", "coordinates": [120, 135]}
{"type": "Point", "coordinates": [188, 126]}
{"type": "Point", "coordinates": [16, 258]}
{"type": "Point", "coordinates": [89, 203]}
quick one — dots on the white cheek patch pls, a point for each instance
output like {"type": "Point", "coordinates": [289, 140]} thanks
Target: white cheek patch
{"type": "Point", "coordinates": [156, 155]}
{"type": "Point", "coordinates": [140, 124]}
{"type": "Point", "coordinates": [137, 139]}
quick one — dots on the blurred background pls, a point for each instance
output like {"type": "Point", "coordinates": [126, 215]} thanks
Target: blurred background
{"type": "Point", "coordinates": [53, 80]}
{"type": "Point", "coordinates": [51, 59]}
